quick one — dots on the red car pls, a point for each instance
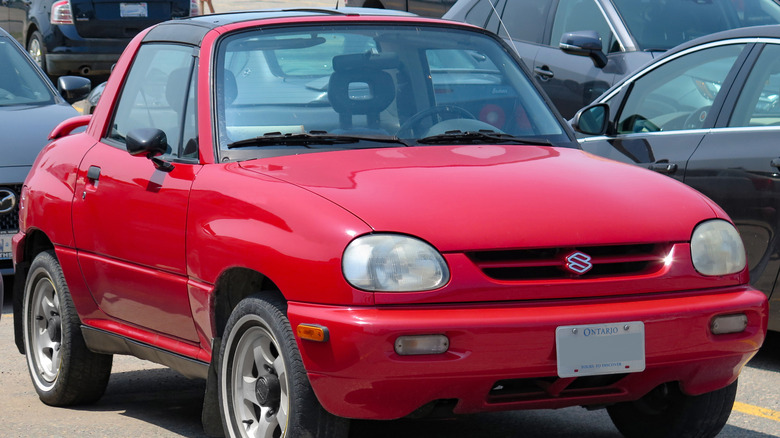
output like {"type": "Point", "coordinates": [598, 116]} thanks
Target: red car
{"type": "Point", "coordinates": [330, 215]}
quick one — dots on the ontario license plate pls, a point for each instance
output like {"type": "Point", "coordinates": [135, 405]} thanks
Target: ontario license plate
{"type": "Point", "coordinates": [5, 245]}
{"type": "Point", "coordinates": [586, 350]}
{"type": "Point", "coordinates": [133, 10]}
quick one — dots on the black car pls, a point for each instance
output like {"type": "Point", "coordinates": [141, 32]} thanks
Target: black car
{"type": "Point", "coordinates": [613, 37]}
{"type": "Point", "coordinates": [30, 108]}
{"type": "Point", "coordinates": [708, 114]}
{"type": "Point", "coordinates": [425, 8]}
{"type": "Point", "coordinates": [84, 36]}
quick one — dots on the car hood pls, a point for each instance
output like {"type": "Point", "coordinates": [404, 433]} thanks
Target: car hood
{"type": "Point", "coordinates": [478, 197]}
{"type": "Point", "coordinates": [26, 131]}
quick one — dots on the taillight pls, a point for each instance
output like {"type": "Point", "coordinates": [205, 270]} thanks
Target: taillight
{"type": "Point", "coordinates": [61, 13]}
{"type": "Point", "coordinates": [194, 9]}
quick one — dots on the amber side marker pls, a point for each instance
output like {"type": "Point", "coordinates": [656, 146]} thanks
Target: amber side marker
{"type": "Point", "coordinates": [313, 332]}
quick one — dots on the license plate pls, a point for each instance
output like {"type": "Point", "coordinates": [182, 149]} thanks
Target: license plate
{"type": "Point", "coordinates": [133, 10]}
{"type": "Point", "coordinates": [586, 350]}
{"type": "Point", "coordinates": [5, 245]}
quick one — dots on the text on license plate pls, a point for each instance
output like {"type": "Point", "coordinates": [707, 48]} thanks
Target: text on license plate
{"type": "Point", "coordinates": [5, 245]}
{"type": "Point", "coordinates": [585, 350]}
{"type": "Point", "coordinates": [133, 10]}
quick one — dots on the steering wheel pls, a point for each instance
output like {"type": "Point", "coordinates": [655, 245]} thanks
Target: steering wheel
{"type": "Point", "coordinates": [438, 111]}
{"type": "Point", "coordinates": [697, 118]}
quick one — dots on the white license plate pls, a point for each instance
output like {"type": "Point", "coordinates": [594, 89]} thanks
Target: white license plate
{"type": "Point", "coordinates": [5, 245]}
{"type": "Point", "coordinates": [586, 350]}
{"type": "Point", "coordinates": [133, 10]}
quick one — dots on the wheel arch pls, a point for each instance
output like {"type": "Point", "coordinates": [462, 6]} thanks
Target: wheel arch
{"type": "Point", "coordinates": [234, 285]}
{"type": "Point", "coordinates": [34, 242]}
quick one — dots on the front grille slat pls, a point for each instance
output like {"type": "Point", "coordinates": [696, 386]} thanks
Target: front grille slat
{"type": "Point", "coordinates": [549, 263]}
{"type": "Point", "coordinates": [9, 222]}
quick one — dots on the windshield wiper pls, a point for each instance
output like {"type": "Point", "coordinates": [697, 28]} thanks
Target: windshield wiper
{"type": "Point", "coordinates": [313, 137]}
{"type": "Point", "coordinates": [482, 136]}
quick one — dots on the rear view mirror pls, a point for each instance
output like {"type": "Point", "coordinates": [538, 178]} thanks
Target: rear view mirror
{"type": "Point", "coordinates": [584, 43]}
{"type": "Point", "coordinates": [592, 120]}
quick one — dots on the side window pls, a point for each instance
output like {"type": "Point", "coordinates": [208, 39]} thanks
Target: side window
{"type": "Point", "coordinates": [479, 14]}
{"type": "Point", "coordinates": [577, 15]}
{"type": "Point", "coordinates": [677, 95]}
{"type": "Point", "coordinates": [759, 102]}
{"type": "Point", "coordinates": [156, 95]}
{"type": "Point", "coordinates": [525, 20]}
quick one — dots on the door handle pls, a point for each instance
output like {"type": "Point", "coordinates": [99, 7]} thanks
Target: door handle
{"type": "Point", "coordinates": [544, 73]}
{"type": "Point", "coordinates": [776, 163]}
{"type": "Point", "coordinates": [663, 166]}
{"type": "Point", "coordinates": [93, 173]}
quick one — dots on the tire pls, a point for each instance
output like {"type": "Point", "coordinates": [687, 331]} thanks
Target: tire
{"type": "Point", "coordinates": [36, 47]}
{"type": "Point", "coordinates": [263, 387]}
{"type": "Point", "coordinates": [667, 412]}
{"type": "Point", "coordinates": [63, 371]}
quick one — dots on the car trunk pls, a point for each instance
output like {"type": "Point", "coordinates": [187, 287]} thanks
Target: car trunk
{"type": "Point", "coordinates": [118, 19]}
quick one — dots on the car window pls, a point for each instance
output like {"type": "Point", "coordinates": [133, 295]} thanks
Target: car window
{"type": "Point", "coordinates": [663, 24]}
{"type": "Point", "coordinates": [156, 94]}
{"type": "Point", "coordinates": [525, 20]}
{"type": "Point", "coordinates": [578, 15]}
{"type": "Point", "coordinates": [759, 102]}
{"type": "Point", "coordinates": [386, 81]}
{"type": "Point", "coordinates": [481, 11]}
{"type": "Point", "coordinates": [677, 95]}
{"type": "Point", "coordinates": [20, 84]}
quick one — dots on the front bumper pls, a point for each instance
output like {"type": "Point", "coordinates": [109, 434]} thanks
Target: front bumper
{"type": "Point", "coordinates": [502, 356]}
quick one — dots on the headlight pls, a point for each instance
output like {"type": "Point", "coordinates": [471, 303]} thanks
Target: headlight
{"type": "Point", "coordinates": [716, 248]}
{"type": "Point", "coordinates": [393, 263]}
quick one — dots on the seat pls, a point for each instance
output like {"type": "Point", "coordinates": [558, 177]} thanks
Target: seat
{"type": "Point", "coordinates": [359, 85]}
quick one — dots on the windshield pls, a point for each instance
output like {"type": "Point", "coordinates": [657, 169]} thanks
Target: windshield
{"type": "Point", "coordinates": [20, 83]}
{"type": "Point", "coordinates": [372, 86]}
{"type": "Point", "coordinates": [663, 24]}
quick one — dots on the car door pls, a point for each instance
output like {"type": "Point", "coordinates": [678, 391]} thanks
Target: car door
{"type": "Point", "coordinates": [738, 165]}
{"type": "Point", "coordinates": [661, 114]}
{"type": "Point", "coordinates": [574, 81]}
{"type": "Point", "coordinates": [129, 219]}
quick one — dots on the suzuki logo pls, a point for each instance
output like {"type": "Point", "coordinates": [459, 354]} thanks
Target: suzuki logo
{"type": "Point", "coordinates": [578, 263]}
{"type": "Point", "coordinates": [7, 201]}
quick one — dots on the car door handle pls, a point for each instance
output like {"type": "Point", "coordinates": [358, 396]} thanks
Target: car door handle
{"type": "Point", "coordinates": [776, 163]}
{"type": "Point", "coordinates": [663, 166]}
{"type": "Point", "coordinates": [544, 73]}
{"type": "Point", "coordinates": [93, 174]}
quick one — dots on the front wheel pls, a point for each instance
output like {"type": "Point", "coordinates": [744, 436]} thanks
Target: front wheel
{"type": "Point", "coordinates": [64, 372]}
{"type": "Point", "coordinates": [667, 412]}
{"type": "Point", "coordinates": [263, 387]}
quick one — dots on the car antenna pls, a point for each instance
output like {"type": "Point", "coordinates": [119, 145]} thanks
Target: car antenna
{"type": "Point", "coordinates": [503, 26]}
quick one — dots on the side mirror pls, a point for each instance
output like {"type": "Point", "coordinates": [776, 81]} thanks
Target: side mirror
{"type": "Point", "coordinates": [73, 88]}
{"type": "Point", "coordinates": [584, 43]}
{"type": "Point", "coordinates": [149, 142]}
{"type": "Point", "coordinates": [592, 120]}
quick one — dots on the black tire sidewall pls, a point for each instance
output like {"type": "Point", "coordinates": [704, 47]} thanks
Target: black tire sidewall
{"type": "Point", "coordinates": [306, 416]}
{"type": "Point", "coordinates": [36, 35]}
{"type": "Point", "coordinates": [82, 376]}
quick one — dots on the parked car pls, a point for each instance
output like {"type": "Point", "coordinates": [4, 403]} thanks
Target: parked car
{"type": "Point", "coordinates": [425, 8]}
{"type": "Point", "coordinates": [30, 107]}
{"type": "Point", "coordinates": [84, 37]}
{"type": "Point", "coordinates": [708, 114]}
{"type": "Point", "coordinates": [619, 36]}
{"type": "Point", "coordinates": [330, 215]}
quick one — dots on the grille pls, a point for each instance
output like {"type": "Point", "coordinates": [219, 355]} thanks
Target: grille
{"type": "Point", "coordinates": [549, 263]}
{"type": "Point", "coordinates": [9, 222]}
